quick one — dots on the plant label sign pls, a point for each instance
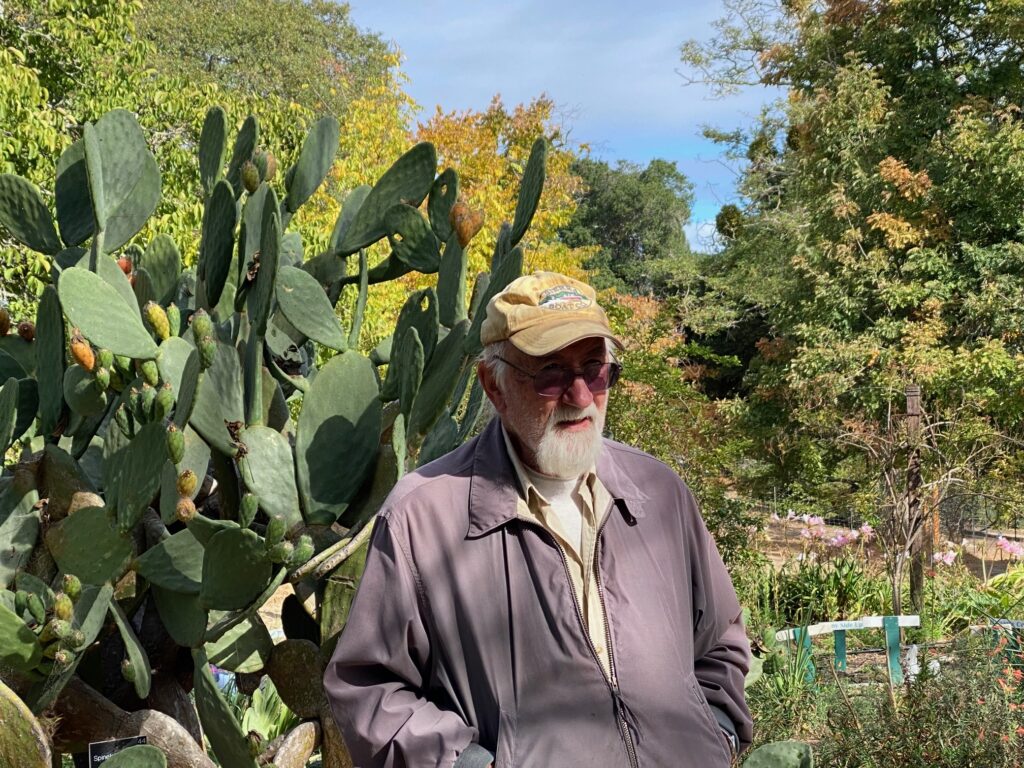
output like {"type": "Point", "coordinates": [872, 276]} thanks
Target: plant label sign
{"type": "Point", "coordinates": [101, 751]}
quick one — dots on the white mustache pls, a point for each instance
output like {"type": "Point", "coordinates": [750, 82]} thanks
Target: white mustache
{"type": "Point", "coordinates": [571, 413]}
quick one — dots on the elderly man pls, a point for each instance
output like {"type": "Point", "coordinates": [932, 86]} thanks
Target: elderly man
{"type": "Point", "coordinates": [542, 596]}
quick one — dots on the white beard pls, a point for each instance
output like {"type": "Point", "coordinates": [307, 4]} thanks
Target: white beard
{"type": "Point", "coordinates": [565, 454]}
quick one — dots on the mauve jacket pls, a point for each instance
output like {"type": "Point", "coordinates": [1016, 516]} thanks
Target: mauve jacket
{"type": "Point", "coordinates": [465, 628]}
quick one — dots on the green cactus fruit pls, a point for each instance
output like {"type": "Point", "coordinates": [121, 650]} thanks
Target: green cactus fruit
{"type": "Point", "coordinates": [116, 381]}
{"type": "Point", "coordinates": [76, 639]}
{"type": "Point", "coordinates": [202, 326]}
{"type": "Point", "coordinates": [20, 601]}
{"type": "Point", "coordinates": [50, 651]}
{"type": "Point", "coordinates": [149, 371]}
{"type": "Point", "coordinates": [128, 670]}
{"type": "Point", "coordinates": [123, 365]}
{"type": "Point", "coordinates": [63, 658]}
{"type": "Point", "coordinates": [175, 444]}
{"type": "Point", "coordinates": [302, 552]}
{"type": "Point", "coordinates": [147, 399]}
{"type": "Point", "coordinates": [164, 402]}
{"type": "Point", "coordinates": [187, 483]}
{"type": "Point", "coordinates": [81, 351]}
{"type": "Point", "coordinates": [63, 608]}
{"type": "Point", "coordinates": [135, 401]}
{"type": "Point", "coordinates": [104, 358]}
{"type": "Point", "coordinates": [250, 176]}
{"type": "Point", "coordinates": [247, 509]}
{"type": "Point", "coordinates": [174, 319]}
{"type": "Point", "coordinates": [36, 607]}
{"type": "Point", "coordinates": [185, 510]}
{"type": "Point", "coordinates": [55, 629]}
{"type": "Point", "coordinates": [207, 352]}
{"type": "Point", "coordinates": [72, 586]}
{"type": "Point", "coordinates": [102, 378]}
{"type": "Point", "coordinates": [123, 423]}
{"type": "Point", "coordinates": [275, 531]}
{"type": "Point", "coordinates": [157, 319]}
{"type": "Point", "coordinates": [281, 552]}
{"type": "Point", "coordinates": [271, 170]}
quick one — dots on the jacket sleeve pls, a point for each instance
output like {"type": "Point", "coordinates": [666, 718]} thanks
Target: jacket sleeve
{"type": "Point", "coordinates": [721, 648]}
{"type": "Point", "coordinates": [376, 678]}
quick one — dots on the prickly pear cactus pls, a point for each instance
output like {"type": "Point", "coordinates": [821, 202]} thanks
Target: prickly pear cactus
{"type": "Point", "coordinates": [157, 489]}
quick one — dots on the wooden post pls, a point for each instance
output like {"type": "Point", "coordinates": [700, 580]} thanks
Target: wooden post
{"type": "Point", "coordinates": [918, 548]}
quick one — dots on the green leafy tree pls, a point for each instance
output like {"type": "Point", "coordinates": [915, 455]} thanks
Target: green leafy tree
{"type": "Point", "coordinates": [634, 217]}
{"type": "Point", "coordinates": [310, 53]}
{"type": "Point", "coordinates": [880, 237]}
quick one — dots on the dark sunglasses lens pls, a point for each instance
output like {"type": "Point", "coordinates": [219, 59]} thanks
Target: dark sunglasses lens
{"type": "Point", "coordinates": [552, 382]}
{"type": "Point", "coordinates": [600, 377]}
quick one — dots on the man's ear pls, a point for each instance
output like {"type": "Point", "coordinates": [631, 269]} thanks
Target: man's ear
{"type": "Point", "coordinates": [490, 384]}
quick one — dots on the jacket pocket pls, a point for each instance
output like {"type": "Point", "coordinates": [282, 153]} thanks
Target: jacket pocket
{"type": "Point", "coordinates": [504, 751]}
{"type": "Point", "coordinates": [713, 726]}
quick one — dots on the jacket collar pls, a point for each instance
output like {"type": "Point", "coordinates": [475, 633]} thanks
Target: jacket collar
{"type": "Point", "coordinates": [494, 492]}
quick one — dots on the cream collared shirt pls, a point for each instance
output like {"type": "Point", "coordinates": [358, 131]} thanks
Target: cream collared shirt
{"type": "Point", "coordinates": [592, 502]}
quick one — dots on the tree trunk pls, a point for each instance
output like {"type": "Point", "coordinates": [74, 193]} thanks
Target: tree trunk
{"type": "Point", "coordinates": [86, 716]}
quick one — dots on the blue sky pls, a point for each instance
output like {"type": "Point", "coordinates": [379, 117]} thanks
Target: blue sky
{"type": "Point", "coordinates": [611, 67]}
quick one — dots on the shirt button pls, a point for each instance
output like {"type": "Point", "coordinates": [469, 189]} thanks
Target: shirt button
{"type": "Point", "coordinates": [600, 650]}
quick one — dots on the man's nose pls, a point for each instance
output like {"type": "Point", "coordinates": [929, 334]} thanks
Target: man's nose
{"type": "Point", "coordinates": [578, 394]}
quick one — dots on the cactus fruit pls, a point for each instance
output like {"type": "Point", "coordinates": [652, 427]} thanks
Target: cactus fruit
{"type": "Point", "coordinates": [104, 358]}
{"type": "Point", "coordinates": [185, 510]}
{"type": "Point", "coordinates": [76, 639]}
{"type": "Point", "coordinates": [149, 371]}
{"type": "Point", "coordinates": [207, 352]}
{"type": "Point", "coordinates": [465, 221]}
{"type": "Point", "coordinates": [275, 531]}
{"type": "Point", "coordinates": [147, 399]}
{"type": "Point", "coordinates": [281, 552]}
{"type": "Point", "coordinates": [5, 321]}
{"type": "Point", "coordinates": [164, 402]}
{"type": "Point", "coordinates": [72, 586]}
{"type": "Point", "coordinates": [128, 670]}
{"type": "Point", "coordinates": [123, 365]}
{"type": "Point", "coordinates": [20, 601]}
{"type": "Point", "coordinates": [175, 444]}
{"type": "Point", "coordinates": [81, 351]}
{"type": "Point", "coordinates": [121, 418]}
{"type": "Point", "coordinates": [156, 317]}
{"type": "Point", "coordinates": [36, 607]}
{"type": "Point", "coordinates": [63, 608]}
{"type": "Point", "coordinates": [247, 510]}
{"type": "Point", "coordinates": [250, 176]}
{"type": "Point", "coordinates": [27, 330]}
{"type": "Point", "coordinates": [174, 319]}
{"type": "Point", "coordinates": [55, 629]}
{"type": "Point", "coordinates": [202, 326]}
{"type": "Point", "coordinates": [187, 483]}
{"type": "Point", "coordinates": [63, 658]}
{"type": "Point", "coordinates": [125, 264]}
{"type": "Point", "coordinates": [102, 377]}
{"type": "Point", "coordinates": [302, 552]}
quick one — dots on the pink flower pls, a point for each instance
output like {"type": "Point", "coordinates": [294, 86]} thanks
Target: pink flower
{"type": "Point", "coordinates": [867, 531]}
{"type": "Point", "coordinates": [1012, 548]}
{"type": "Point", "coordinates": [944, 558]}
{"type": "Point", "coordinates": [815, 520]}
{"type": "Point", "coordinates": [775, 516]}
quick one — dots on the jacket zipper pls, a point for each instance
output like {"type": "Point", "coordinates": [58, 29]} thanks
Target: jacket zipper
{"type": "Point", "coordinates": [612, 684]}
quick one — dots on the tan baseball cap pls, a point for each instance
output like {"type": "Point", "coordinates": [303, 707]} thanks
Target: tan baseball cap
{"type": "Point", "coordinates": [543, 313]}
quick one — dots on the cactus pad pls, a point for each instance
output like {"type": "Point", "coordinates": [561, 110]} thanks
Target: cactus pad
{"type": "Point", "coordinates": [24, 214]}
{"type": "Point", "coordinates": [176, 563]}
{"type": "Point", "coordinates": [530, 189]}
{"type": "Point", "coordinates": [315, 160]}
{"type": "Point", "coordinates": [138, 756]}
{"type": "Point", "coordinates": [439, 380]}
{"type": "Point", "coordinates": [337, 436]}
{"type": "Point", "coordinates": [19, 526]}
{"type": "Point", "coordinates": [229, 743]}
{"type": "Point", "coordinates": [245, 143]}
{"type": "Point", "coordinates": [353, 202]}
{"type": "Point", "coordinates": [244, 648]}
{"type": "Point", "coordinates": [50, 359]}
{"type": "Point", "coordinates": [443, 437]}
{"type": "Point", "coordinates": [133, 476]}
{"type": "Point", "coordinates": [443, 195]}
{"type": "Point", "coordinates": [411, 239]}
{"type": "Point", "coordinates": [8, 414]}
{"type": "Point", "coordinates": [218, 242]}
{"type": "Point", "coordinates": [136, 654]}
{"type": "Point", "coordinates": [451, 284]}
{"type": "Point", "coordinates": [162, 261]}
{"type": "Point", "coordinates": [219, 400]}
{"type": "Point", "coordinates": [24, 742]}
{"type": "Point", "coordinates": [105, 318]}
{"type": "Point", "coordinates": [213, 144]}
{"type": "Point", "coordinates": [235, 570]}
{"type": "Point", "coordinates": [408, 180]}
{"type": "Point", "coordinates": [307, 308]}
{"type": "Point", "coordinates": [267, 470]}
{"type": "Point", "coordinates": [19, 646]}
{"type": "Point", "coordinates": [182, 615]}
{"type": "Point", "coordinates": [107, 555]}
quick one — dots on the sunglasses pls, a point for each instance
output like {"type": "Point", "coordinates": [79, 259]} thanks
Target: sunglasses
{"type": "Point", "coordinates": [554, 380]}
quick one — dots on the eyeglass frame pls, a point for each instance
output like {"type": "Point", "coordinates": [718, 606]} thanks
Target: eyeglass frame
{"type": "Point", "coordinates": [613, 376]}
